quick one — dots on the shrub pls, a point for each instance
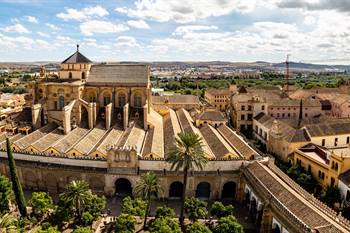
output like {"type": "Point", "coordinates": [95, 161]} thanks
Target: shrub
{"type": "Point", "coordinates": [82, 230]}
{"type": "Point", "coordinates": [87, 218]}
{"type": "Point", "coordinates": [165, 211]}
{"type": "Point", "coordinates": [228, 224]}
{"type": "Point", "coordinates": [5, 194]}
{"type": "Point", "coordinates": [220, 210]}
{"type": "Point", "coordinates": [165, 225]}
{"type": "Point", "coordinates": [195, 208]}
{"type": "Point", "coordinates": [198, 227]}
{"type": "Point", "coordinates": [41, 203]}
{"type": "Point", "coordinates": [125, 223]}
{"type": "Point", "coordinates": [135, 207]}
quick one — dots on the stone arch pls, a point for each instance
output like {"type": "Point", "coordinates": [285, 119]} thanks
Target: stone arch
{"type": "Point", "coordinates": [123, 187]}
{"type": "Point", "coordinates": [79, 114]}
{"type": "Point", "coordinates": [175, 190]}
{"type": "Point", "coordinates": [121, 98]}
{"type": "Point", "coordinates": [229, 190]}
{"type": "Point", "coordinates": [253, 208]}
{"type": "Point", "coordinates": [91, 95]}
{"type": "Point", "coordinates": [203, 190]}
{"type": "Point", "coordinates": [83, 75]}
{"type": "Point", "coordinates": [105, 97]}
{"type": "Point", "coordinates": [137, 99]}
{"type": "Point", "coordinates": [70, 75]}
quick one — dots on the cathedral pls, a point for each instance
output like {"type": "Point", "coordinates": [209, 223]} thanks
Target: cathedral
{"type": "Point", "coordinates": [90, 94]}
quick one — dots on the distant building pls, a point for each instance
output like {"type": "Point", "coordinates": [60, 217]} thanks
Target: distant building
{"type": "Point", "coordinates": [211, 117]}
{"type": "Point", "coordinates": [325, 165]}
{"type": "Point", "coordinates": [175, 102]}
{"type": "Point", "coordinates": [158, 91]}
{"type": "Point", "coordinates": [220, 98]}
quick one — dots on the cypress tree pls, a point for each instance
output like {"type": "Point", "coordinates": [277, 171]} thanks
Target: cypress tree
{"type": "Point", "coordinates": [16, 184]}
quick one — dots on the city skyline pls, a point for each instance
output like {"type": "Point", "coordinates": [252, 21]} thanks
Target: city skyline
{"type": "Point", "coordinates": [311, 30]}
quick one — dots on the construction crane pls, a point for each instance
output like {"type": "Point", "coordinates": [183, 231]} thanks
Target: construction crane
{"type": "Point", "coordinates": [287, 74]}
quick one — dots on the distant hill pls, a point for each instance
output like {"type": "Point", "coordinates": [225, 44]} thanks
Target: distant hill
{"type": "Point", "coordinates": [308, 66]}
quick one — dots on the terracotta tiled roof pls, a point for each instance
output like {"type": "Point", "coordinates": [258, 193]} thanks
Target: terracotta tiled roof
{"type": "Point", "coordinates": [325, 129]}
{"type": "Point", "coordinates": [294, 201]}
{"type": "Point", "coordinates": [237, 142]}
{"type": "Point", "coordinates": [85, 145]}
{"type": "Point", "coordinates": [175, 99]}
{"type": "Point", "coordinates": [70, 139]}
{"type": "Point", "coordinates": [218, 91]}
{"type": "Point", "coordinates": [76, 57]}
{"type": "Point", "coordinates": [26, 141]}
{"type": "Point", "coordinates": [345, 177]}
{"type": "Point", "coordinates": [45, 142]}
{"type": "Point", "coordinates": [211, 116]}
{"type": "Point", "coordinates": [217, 144]}
{"type": "Point", "coordinates": [111, 138]}
{"type": "Point", "coordinates": [171, 129]}
{"type": "Point", "coordinates": [121, 74]}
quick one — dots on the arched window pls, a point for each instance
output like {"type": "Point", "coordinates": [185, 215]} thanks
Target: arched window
{"type": "Point", "coordinates": [60, 102]}
{"type": "Point", "coordinates": [83, 75]}
{"type": "Point", "coordinates": [106, 100]}
{"type": "Point", "coordinates": [121, 99]}
{"type": "Point", "coordinates": [137, 100]}
{"type": "Point", "coordinates": [70, 75]}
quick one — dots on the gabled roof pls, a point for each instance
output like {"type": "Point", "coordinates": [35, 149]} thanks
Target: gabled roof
{"type": "Point", "coordinates": [121, 74]}
{"type": "Point", "coordinates": [76, 57]}
{"type": "Point", "coordinates": [211, 116]}
{"type": "Point", "coordinates": [345, 177]}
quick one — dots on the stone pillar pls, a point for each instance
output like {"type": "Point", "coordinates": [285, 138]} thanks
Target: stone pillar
{"type": "Point", "coordinates": [240, 189]}
{"type": "Point", "coordinates": [66, 114]}
{"type": "Point", "coordinates": [91, 115]}
{"type": "Point", "coordinates": [108, 115]}
{"type": "Point", "coordinates": [145, 113]}
{"type": "Point", "coordinates": [149, 100]}
{"type": "Point", "coordinates": [66, 122]}
{"type": "Point", "coordinates": [94, 113]}
{"type": "Point", "coordinates": [36, 116]}
{"type": "Point", "coordinates": [266, 221]}
{"type": "Point", "coordinates": [125, 116]}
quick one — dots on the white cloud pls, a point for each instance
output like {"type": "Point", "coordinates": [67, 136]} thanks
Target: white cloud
{"type": "Point", "coordinates": [53, 27]}
{"type": "Point", "coordinates": [43, 34]}
{"type": "Point", "coordinates": [18, 28]}
{"type": "Point", "coordinates": [190, 28]}
{"type": "Point", "coordinates": [43, 44]}
{"type": "Point", "coordinates": [127, 41]}
{"type": "Point", "coordinates": [22, 42]}
{"type": "Point", "coordinates": [83, 14]}
{"type": "Point", "coordinates": [92, 27]}
{"type": "Point", "coordinates": [184, 11]}
{"type": "Point", "coordinates": [140, 24]}
{"type": "Point", "coordinates": [31, 19]}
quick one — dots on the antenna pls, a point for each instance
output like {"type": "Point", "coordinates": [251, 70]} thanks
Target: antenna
{"type": "Point", "coordinates": [287, 74]}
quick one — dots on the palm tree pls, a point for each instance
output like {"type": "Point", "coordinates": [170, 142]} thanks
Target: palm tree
{"type": "Point", "coordinates": [186, 155]}
{"type": "Point", "coordinates": [7, 224]}
{"type": "Point", "coordinates": [77, 194]}
{"type": "Point", "coordinates": [148, 187]}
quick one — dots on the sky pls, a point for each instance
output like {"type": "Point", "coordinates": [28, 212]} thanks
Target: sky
{"type": "Point", "coordinates": [316, 31]}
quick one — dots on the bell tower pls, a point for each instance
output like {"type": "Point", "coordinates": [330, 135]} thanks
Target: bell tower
{"type": "Point", "coordinates": [76, 66]}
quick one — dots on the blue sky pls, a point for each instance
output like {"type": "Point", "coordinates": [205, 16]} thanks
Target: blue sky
{"type": "Point", "coordinates": [176, 30]}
